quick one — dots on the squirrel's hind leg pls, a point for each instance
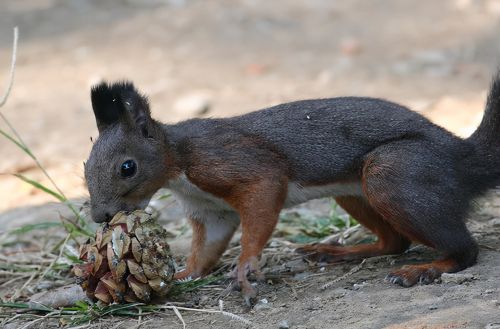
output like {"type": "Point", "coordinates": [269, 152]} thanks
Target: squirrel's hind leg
{"type": "Point", "coordinates": [389, 240]}
{"type": "Point", "coordinates": [416, 190]}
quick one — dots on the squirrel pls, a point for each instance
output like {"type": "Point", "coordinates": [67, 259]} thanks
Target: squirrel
{"type": "Point", "coordinates": [397, 173]}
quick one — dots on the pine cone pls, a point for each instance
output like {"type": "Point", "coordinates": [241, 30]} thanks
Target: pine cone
{"type": "Point", "coordinates": [128, 261]}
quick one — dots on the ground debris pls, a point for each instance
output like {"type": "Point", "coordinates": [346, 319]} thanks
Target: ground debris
{"type": "Point", "coordinates": [457, 278]}
{"type": "Point", "coordinates": [60, 297]}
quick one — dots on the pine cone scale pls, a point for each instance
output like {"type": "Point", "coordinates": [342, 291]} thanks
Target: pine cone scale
{"type": "Point", "coordinates": [128, 261]}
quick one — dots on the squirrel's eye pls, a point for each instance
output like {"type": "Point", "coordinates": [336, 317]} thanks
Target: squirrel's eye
{"type": "Point", "coordinates": [128, 168]}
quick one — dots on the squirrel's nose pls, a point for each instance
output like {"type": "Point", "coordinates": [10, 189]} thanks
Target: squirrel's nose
{"type": "Point", "coordinates": [100, 216]}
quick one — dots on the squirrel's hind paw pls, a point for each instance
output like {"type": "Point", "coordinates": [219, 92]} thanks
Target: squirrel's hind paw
{"type": "Point", "coordinates": [412, 274]}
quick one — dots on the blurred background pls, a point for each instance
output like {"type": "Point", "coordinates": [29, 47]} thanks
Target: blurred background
{"type": "Point", "coordinates": [227, 57]}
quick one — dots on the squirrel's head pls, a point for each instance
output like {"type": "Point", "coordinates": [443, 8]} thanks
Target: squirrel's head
{"type": "Point", "coordinates": [126, 165]}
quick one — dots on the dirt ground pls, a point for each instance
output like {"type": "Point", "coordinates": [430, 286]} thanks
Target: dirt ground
{"type": "Point", "coordinates": [220, 58]}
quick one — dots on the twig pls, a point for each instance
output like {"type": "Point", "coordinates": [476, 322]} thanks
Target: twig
{"type": "Point", "coordinates": [176, 311]}
{"type": "Point", "coordinates": [138, 325]}
{"type": "Point", "coordinates": [220, 311]}
{"type": "Point", "coordinates": [48, 315]}
{"type": "Point", "coordinates": [139, 320]}
{"type": "Point", "coordinates": [55, 259]}
{"type": "Point", "coordinates": [19, 291]}
{"type": "Point", "coordinates": [342, 277]}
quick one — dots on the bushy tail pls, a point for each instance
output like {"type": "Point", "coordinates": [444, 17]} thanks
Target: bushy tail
{"type": "Point", "coordinates": [481, 169]}
{"type": "Point", "coordinates": [488, 133]}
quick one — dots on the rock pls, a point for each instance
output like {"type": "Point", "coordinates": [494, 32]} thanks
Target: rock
{"type": "Point", "coordinates": [494, 222]}
{"type": "Point", "coordinates": [457, 278]}
{"type": "Point", "coordinates": [60, 297]}
{"type": "Point", "coordinates": [193, 104]}
{"type": "Point", "coordinates": [301, 276]}
{"type": "Point", "coordinates": [358, 286]}
{"type": "Point", "coordinates": [339, 293]}
{"type": "Point", "coordinates": [263, 304]}
{"type": "Point", "coordinates": [296, 266]}
{"type": "Point", "coordinates": [492, 326]}
{"type": "Point", "coordinates": [283, 325]}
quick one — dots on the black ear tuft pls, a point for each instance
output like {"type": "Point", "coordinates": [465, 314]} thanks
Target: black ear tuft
{"type": "Point", "coordinates": [106, 105]}
{"type": "Point", "coordinates": [119, 103]}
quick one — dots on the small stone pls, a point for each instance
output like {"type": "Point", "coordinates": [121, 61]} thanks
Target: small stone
{"type": "Point", "coordinates": [296, 265]}
{"type": "Point", "coordinates": [492, 326]}
{"type": "Point", "coordinates": [283, 325]}
{"type": "Point", "coordinates": [263, 304]}
{"type": "Point", "coordinates": [301, 276]}
{"type": "Point", "coordinates": [457, 278]}
{"type": "Point", "coordinates": [358, 286]}
{"type": "Point", "coordinates": [204, 299]}
{"type": "Point", "coordinates": [339, 293]}
{"type": "Point", "coordinates": [494, 222]}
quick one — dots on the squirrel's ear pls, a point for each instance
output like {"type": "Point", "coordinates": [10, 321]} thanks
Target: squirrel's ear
{"type": "Point", "coordinates": [107, 106]}
{"type": "Point", "coordinates": [137, 113]}
{"type": "Point", "coordinates": [120, 103]}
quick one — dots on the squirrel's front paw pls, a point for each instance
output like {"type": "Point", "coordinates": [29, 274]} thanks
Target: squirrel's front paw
{"type": "Point", "coordinates": [185, 274]}
{"type": "Point", "coordinates": [240, 274]}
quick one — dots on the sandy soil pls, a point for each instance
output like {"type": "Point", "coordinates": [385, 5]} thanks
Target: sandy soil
{"type": "Point", "coordinates": [230, 57]}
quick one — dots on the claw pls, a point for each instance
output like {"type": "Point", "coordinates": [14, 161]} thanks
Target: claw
{"type": "Point", "coordinates": [251, 266]}
{"type": "Point", "coordinates": [185, 275]}
{"type": "Point", "coordinates": [396, 280]}
{"type": "Point", "coordinates": [249, 294]}
{"type": "Point", "coordinates": [413, 274]}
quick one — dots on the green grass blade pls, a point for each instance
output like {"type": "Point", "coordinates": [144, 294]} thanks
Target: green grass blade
{"type": "Point", "coordinates": [183, 287]}
{"type": "Point", "coordinates": [41, 187]}
{"type": "Point", "coordinates": [14, 305]}
{"type": "Point", "coordinates": [17, 143]}
{"type": "Point", "coordinates": [32, 227]}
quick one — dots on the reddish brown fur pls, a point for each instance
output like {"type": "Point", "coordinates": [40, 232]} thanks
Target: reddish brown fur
{"type": "Point", "coordinates": [389, 240]}
{"type": "Point", "coordinates": [417, 179]}
{"type": "Point", "coordinates": [203, 257]}
{"type": "Point", "coordinates": [410, 275]}
{"type": "Point", "coordinates": [375, 187]}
